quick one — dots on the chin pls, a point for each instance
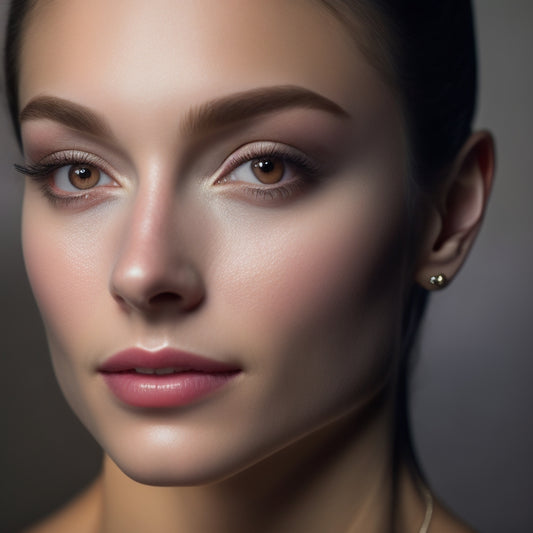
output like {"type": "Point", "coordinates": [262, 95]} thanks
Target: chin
{"type": "Point", "coordinates": [163, 476]}
{"type": "Point", "coordinates": [177, 469]}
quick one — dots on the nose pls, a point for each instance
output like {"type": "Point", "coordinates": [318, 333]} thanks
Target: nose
{"type": "Point", "coordinates": [154, 270]}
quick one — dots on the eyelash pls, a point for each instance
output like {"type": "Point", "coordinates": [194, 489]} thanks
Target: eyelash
{"type": "Point", "coordinates": [307, 171]}
{"type": "Point", "coordinates": [42, 172]}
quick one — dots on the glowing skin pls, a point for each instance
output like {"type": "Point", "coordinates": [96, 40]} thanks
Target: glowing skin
{"type": "Point", "coordinates": [174, 247]}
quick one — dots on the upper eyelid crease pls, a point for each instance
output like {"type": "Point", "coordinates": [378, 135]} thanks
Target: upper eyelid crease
{"type": "Point", "coordinates": [203, 118]}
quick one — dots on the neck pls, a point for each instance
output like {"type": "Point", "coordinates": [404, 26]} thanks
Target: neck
{"type": "Point", "coordinates": [349, 487]}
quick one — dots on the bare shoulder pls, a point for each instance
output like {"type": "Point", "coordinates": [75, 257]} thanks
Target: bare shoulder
{"type": "Point", "coordinates": [81, 514]}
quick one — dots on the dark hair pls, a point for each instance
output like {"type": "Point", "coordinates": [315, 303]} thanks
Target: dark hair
{"type": "Point", "coordinates": [438, 77]}
{"type": "Point", "coordinates": [17, 17]}
{"type": "Point", "coordinates": [426, 50]}
{"type": "Point", "coordinates": [430, 46]}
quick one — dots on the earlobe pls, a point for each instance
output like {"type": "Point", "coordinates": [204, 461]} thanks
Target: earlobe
{"type": "Point", "coordinates": [457, 213]}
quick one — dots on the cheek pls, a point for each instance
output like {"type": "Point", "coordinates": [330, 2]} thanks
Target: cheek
{"type": "Point", "coordinates": [310, 262]}
{"type": "Point", "coordinates": [67, 258]}
{"type": "Point", "coordinates": [318, 286]}
{"type": "Point", "coordinates": [310, 299]}
{"type": "Point", "coordinates": [64, 261]}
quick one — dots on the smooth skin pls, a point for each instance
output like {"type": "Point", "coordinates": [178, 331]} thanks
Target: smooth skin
{"type": "Point", "coordinates": [180, 245]}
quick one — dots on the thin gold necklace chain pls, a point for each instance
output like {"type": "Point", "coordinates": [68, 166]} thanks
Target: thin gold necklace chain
{"type": "Point", "coordinates": [428, 515]}
{"type": "Point", "coordinates": [429, 511]}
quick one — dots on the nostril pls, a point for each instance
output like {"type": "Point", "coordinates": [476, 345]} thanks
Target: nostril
{"type": "Point", "coordinates": [153, 290]}
{"type": "Point", "coordinates": [164, 298]}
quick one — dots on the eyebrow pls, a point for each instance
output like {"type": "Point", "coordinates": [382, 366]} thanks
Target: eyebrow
{"type": "Point", "coordinates": [68, 113]}
{"type": "Point", "coordinates": [210, 115]}
{"type": "Point", "coordinates": [249, 104]}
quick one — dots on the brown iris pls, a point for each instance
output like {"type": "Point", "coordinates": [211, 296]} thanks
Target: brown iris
{"type": "Point", "coordinates": [268, 170]}
{"type": "Point", "coordinates": [83, 176]}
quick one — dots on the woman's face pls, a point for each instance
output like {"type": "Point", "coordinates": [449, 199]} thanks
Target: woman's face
{"type": "Point", "coordinates": [224, 179]}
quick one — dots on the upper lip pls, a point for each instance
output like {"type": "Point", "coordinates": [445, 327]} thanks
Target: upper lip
{"type": "Point", "coordinates": [180, 361]}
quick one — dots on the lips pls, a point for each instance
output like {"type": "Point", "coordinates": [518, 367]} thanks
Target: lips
{"type": "Point", "coordinates": [164, 378]}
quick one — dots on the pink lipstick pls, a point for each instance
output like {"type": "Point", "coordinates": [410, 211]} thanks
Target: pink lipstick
{"type": "Point", "coordinates": [164, 378]}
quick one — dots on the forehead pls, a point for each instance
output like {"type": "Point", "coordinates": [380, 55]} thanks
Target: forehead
{"type": "Point", "coordinates": [146, 51]}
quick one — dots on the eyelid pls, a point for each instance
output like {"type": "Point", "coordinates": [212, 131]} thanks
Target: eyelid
{"type": "Point", "coordinates": [43, 171]}
{"type": "Point", "coordinates": [50, 163]}
{"type": "Point", "coordinates": [255, 150]}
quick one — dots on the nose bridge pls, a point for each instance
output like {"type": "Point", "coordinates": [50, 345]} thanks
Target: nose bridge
{"type": "Point", "coordinates": [146, 232]}
{"type": "Point", "coordinates": [153, 263]}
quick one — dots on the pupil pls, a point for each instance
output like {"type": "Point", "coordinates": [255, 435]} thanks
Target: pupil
{"type": "Point", "coordinates": [83, 173]}
{"type": "Point", "coordinates": [266, 165]}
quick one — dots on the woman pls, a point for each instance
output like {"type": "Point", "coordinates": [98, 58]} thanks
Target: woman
{"type": "Point", "coordinates": [232, 216]}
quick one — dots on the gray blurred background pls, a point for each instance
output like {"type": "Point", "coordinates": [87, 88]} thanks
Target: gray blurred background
{"type": "Point", "coordinates": [472, 387]}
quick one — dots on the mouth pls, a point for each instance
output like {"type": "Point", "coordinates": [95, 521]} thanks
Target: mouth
{"type": "Point", "coordinates": [165, 378]}
{"type": "Point", "coordinates": [158, 371]}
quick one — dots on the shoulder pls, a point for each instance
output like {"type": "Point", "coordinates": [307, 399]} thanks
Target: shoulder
{"type": "Point", "coordinates": [81, 514]}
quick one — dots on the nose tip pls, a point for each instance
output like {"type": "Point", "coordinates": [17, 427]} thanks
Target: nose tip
{"type": "Point", "coordinates": [157, 287]}
{"type": "Point", "coordinates": [158, 250]}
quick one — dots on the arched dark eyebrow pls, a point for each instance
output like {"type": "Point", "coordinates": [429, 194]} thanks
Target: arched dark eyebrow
{"type": "Point", "coordinates": [248, 104]}
{"type": "Point", "coordinates": [210, 115]}
{"type": "Point", "coordinates": [68, 113]}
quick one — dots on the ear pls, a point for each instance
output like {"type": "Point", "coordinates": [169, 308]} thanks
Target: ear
{"type": "Point", "coordinates": [456, 214]}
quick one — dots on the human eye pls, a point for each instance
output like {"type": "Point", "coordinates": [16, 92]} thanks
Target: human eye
{"type": "Point", "coordinates": [69, 177]}
{"type": "Point", "coordinates": [268, 171]}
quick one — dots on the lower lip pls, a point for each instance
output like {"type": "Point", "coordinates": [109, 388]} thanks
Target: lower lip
{"type": "Point", "coordinates": [160, 391]}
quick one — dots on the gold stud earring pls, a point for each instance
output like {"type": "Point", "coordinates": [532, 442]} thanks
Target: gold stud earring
{"type": "Point", "coordinates": [439, 281]}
